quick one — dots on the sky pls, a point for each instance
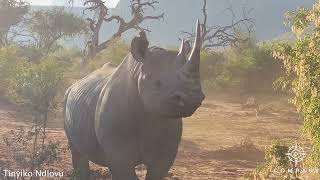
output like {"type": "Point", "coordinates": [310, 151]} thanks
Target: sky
{"type": "Point", "coordinates": [79, 3]}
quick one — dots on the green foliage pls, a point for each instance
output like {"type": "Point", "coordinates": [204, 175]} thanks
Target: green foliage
{"type": "Point", "coordinates": [66, 56]}
{"type": "Point", "coordinates": [38, 84]}
{"type": "Point", "coordinates": [276, 163]}
{"type": "Point", "coordinates": [10, 59]}
{"type": "Point", "coordinates": [298, 19]}
{"type": "Point", "coordinates": [20, 76]}
{"type": "Point", "coordinates": [34, 84]}
{"type": "Point", "coordinates": [301, 62]}
{"type": "Point", "coordinates": [276, 155]}
{"type": "Point", "coordinates": [48, 26]}
{"type": "Point", "coordinates": [214, 74]}
{"type": "Point", "coordinates": [249, 60]}
{"type": "Point", "coordinates": [114, 54]}
{"type": "Point", "coordinates": [248, 67]}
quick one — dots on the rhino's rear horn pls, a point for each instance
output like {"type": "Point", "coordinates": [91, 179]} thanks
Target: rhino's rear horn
{"type": "Point", "coordinates": [185, 49]}
{"type": "Point", "coordinates": [139, 46]}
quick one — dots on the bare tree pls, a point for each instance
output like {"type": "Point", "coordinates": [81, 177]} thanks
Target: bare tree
{"type": "Point", "coordinates": [12, 13]}
{"type": "Point", "coordinates": [101, 11]}
{"type": "Point", "coordinates": [222, 36]}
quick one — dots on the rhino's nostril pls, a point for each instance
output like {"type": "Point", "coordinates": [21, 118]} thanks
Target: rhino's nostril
{"type": "Point", "coordinates": [176, 97]}
{"type": "Point", "coordinates": [181, 103]}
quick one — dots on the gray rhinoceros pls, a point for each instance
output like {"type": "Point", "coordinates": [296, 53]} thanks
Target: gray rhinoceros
{"type": "Point", "coordinates": [134, 115]}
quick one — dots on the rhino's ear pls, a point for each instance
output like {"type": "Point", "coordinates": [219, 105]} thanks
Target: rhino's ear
{"type": "Point", "coordinates": [139, 47]}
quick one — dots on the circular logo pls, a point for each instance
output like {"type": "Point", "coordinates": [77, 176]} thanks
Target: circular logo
{"type": "Point", "coordinates": [296, 154]}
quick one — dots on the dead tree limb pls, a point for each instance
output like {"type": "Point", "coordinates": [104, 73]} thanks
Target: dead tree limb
{"type": "Point", "coordinates": [238, 31]}
{"type": "Point", "coordinates": [101, 11]}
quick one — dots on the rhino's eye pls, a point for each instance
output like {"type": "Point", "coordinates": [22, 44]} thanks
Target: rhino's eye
{"type": "Point", "coordinates": [157, 83]}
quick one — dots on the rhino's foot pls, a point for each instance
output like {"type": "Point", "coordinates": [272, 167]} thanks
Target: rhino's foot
{"type": "Point", "coordinates": [80, 165]}
{"type": "Point", "coordinates": [160, 168]}
{"type": "Point", "coordinates": [123, 173]}
{"type": "Point", "coordinates": [156, 174]}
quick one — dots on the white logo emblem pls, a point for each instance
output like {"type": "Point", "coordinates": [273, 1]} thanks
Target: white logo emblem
{"type": "Point", "coordinates": [296, 154]}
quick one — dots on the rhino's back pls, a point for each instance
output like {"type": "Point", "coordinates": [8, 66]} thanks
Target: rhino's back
{"type": "Point", "coordinates": [80, 105]}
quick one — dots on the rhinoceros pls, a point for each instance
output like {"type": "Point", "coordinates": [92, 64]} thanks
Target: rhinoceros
{"type": "Point", "coordinates": [134, 115]}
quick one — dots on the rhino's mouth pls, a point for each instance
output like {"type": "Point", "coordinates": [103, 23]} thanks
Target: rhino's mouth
{"type": "Point", "coordinates": [190, 110]}
{"type": "Point", "coordinates": [183, 111]}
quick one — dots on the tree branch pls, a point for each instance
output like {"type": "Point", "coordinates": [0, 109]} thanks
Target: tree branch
{"type": "Point", "coordinates": [137, 13]}
{"type": "Point", "coordinates": [221, 36]}
{"type": "Point", "coordinates": [161, 16]}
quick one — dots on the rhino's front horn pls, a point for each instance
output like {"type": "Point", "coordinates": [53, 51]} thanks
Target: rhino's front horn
{"type": "Point", "coordinates": [193, 64]}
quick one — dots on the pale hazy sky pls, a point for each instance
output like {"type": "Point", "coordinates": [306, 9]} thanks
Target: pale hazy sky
{"type": "Point", "coordinates": [110, 3]}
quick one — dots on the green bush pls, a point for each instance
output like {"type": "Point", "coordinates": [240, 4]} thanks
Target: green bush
{"type": "Point", "coordinates": [10, 58]}
{"type": "Point", "coordinates": [67, 58]}
{"type": "Point", "coordinates": [214, 74]}
{"type": "Point", "coordinates": [114, 54]}
{"type": "Point", "coordinates": [301, 61]}
{"type": "Point", "coordinates": [276, 163]}
{"type": "Point", "coordinates": [22, 80]}
{"type": "Point", "coordinates": [242, 58]}
{"type": "Point", "coordinates": [247, 67]}
{"type": "Point", "coordinates": [37, 84]}
{"type": "Point", "coordinates": [253, 67]}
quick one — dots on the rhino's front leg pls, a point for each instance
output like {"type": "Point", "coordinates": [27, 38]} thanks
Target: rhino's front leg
{"type": "Point", "coordinates": [121, 168]}
{"type": "Point", "coordinates": [159, 169]}
{"type": "Point", "coordinates": [161, 165]}
{"type": "Point", "coordinates": [121, 157]}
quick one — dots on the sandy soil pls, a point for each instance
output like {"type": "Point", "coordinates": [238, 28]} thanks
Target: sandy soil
{"type": "Point", "coordinates": [222, 140]}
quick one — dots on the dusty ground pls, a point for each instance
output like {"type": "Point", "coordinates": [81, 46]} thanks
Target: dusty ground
{"type": "Point", "coordinates": [222, 140]}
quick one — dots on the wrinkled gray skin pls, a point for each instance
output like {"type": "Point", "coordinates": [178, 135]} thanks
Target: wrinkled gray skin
{"type": "Point", "coordinates": [134, 115]}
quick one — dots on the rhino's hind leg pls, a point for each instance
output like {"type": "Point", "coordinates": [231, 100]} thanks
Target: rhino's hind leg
{"type": "Point", "coordinates": [80, 165]}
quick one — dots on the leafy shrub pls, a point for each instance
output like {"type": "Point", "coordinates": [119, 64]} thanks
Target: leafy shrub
{"type": "Point", "coordinates": [37, 84]}
{"type": "Point", "coordinates": [242, 58]}
{"type": "Point", "coordinates": [54, 24]}
{"type": "Point", "coordinates": [252, 67]}
{"type": "Point", "coordinates": [9, 58]}
{"type": "Point", "coordinates": [248, 67]}
{"type": "Point", "coordinates": [301, 62]}
{"type": "Point", "coordinates": [114, 54]}
{"type": "Point", "coordinates": [213, 72]}
{"type": "Point", "coordinates": [65, 57]}
{"type": "Point", "coordinates": [276, 163]}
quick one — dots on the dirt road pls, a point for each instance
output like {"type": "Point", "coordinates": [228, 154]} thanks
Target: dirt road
{"type": "Point", "coordinates": [222, 140]}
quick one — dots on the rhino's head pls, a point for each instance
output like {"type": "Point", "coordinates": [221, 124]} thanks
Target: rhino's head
{"type": "Point", "coordinates": [169, 83]}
